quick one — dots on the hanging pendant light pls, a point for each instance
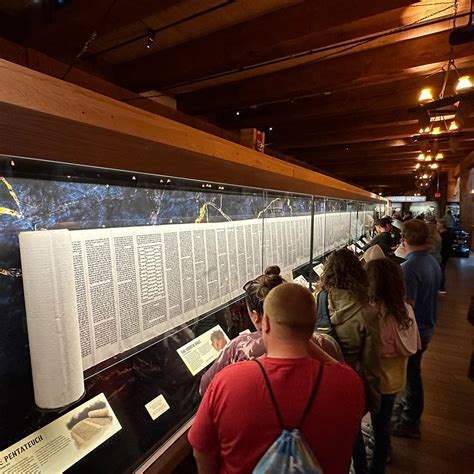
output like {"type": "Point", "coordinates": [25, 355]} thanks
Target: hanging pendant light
{"type": "Point", "coordinates": [453, 125]}
{"type": "Point", "coordinates": [428, 158]}
{"type": "Point", "coordinates": [439, 156]}
{"type": "Point", "coordinates": [464, 83]}
{"type": "Point", "coordinates": [425, 95]}
{"type": "Point", "coordinates": [421, 157]}
{"type": "Point", "coordinates": [436, 130]}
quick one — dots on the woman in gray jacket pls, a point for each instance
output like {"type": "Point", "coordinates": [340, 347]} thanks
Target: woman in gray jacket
{"type": "Point", "coordinates": [356, 325]}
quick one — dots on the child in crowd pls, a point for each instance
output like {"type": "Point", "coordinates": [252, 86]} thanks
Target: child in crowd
{"type": "Point", "coordinates": [355, 323]}
{"type": "Point", "coordinates": [399, 338]}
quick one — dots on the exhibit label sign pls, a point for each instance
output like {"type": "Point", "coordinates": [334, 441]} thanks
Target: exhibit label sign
{"type": "Point", "coordinates": [200, 352]}
{"type": "Point", "coordinates": [157, 407]}
{"type": "Point", "coordinates": [65, 441]}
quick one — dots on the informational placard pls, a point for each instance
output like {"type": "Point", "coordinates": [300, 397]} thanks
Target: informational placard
{"type": "Point", "coordinates": [157, 407]}
{"type": "Point", "coordinates": [319, 269]}
{"type": "Point", "coordinates": [406, 198]}
{"type": "Point", "coordinates": [301, 280]}
{"type": "Point", "coordinates": [200, 352]}
{"type": "Point", "coordinates": [62, 443]}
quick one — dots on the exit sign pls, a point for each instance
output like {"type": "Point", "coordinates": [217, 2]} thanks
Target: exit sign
{"type": "Point", "coordinates": [437, 195]}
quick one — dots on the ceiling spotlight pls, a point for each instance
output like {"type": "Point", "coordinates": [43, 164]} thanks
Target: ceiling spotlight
{"type": "Point", "coordinates": [237, 113]}
{"type": "Point", "coordinates": [425, 95]}
{"type": "Point", "coordinates": [439, 156]}
{"type": "Point", "coordinates": [270, 128]}
{"type": "Point", "coordinates": [453, 125]}
{"type": "Point", "coordinates": [421, 157]}
{"type": "Point", "coordinates": [464, 83]}
{"type": "Point", "coordinates": [150, 39]}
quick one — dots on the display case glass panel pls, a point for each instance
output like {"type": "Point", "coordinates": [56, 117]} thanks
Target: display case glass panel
{"type": "Point", "coordinates": [215, 238]}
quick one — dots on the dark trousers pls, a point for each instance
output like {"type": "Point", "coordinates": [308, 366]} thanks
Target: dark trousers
{"type": "Point", "coordinates": [359, 456]}
{"type": "Point", "coordinates": [442, 286]}
{"type": "Point", "coordinates": [381, 426]}
{"type": "Point", "coordinates": [413, 399]}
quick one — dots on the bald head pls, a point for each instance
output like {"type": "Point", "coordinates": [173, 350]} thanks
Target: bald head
{"type": "Point", "coordinates": [292, 311]}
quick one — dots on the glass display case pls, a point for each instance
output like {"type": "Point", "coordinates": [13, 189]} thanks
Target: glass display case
{"type": "Point", "coordinates": [225, 235]}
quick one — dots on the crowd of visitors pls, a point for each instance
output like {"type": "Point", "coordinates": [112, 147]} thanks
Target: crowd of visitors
{"type": "Point", "coordinates": [295, 390]}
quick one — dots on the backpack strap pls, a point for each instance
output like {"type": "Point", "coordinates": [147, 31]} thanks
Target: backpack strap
{"type": "Point", "coordinates": [275, 404]}
{"type": "Point", "coordinates": [272, 396]}
{"type": "Point", "coordinates": [323, 320]}
{"type": "Point", "coordinates": [312, 396]}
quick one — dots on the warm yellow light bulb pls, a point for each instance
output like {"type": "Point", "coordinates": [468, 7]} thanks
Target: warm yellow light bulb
{"type": "Point", "coordinates": [421, 130]}
{"type": "Point", "coordinates": [425, 176]}
{"type": "Point", "coordinates": [453, 125]}
{"type": "Point", "coordinates": [425, 95]}
{"type": "Point", "coordinates": [434, 166]}
{"type": "Point", "coordinates": [428, 158]}
{"type": "Point", "coordinates": [436, 130]}
{"type": "Point", "coordinates": [464, 83]}
{"type": "Point", "coordinates": [417, 167]}
{"type": "Point", "coordinates": [421, 157]}
{"type": "Point", "coordinates": [439, 156]}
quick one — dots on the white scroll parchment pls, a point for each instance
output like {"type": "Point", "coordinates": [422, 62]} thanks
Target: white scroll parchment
{"type": "Point", "coordinates": [53, 328]}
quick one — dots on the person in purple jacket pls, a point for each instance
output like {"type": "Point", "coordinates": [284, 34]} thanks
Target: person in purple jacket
{"type": "Point", "coordinates": [246, 346]}
{"type": "Point", "coordinates": [250, 346]}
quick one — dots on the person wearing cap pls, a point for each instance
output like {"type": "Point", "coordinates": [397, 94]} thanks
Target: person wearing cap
{"type": "Point", "coordinates": [384, 237]}
{"type": "Point", "coordinates": [236, 422]}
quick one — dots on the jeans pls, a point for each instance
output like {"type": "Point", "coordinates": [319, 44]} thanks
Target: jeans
{"type": "Point", "coordinates": [413, 399]}
{"type": "Point", "coordinates": [381, 426]}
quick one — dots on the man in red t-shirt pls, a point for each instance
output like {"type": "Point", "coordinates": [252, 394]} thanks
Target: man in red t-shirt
{"type": "Point", "coordinates": [236, 422]}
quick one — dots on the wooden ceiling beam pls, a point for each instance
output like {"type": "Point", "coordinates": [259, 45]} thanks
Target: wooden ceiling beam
{"type": "Point", "coordinates": [386, 98]}
{"type": "Point", "coordinates": [382, 146]}
{"type": "Point", "coordinates": [350, 136]}
{"type": "Point", "coordinates": [62, 32]}
{"type": "Point", "coordinates": [381, 168]}
{"type": "Point", "coordinates": [382, 64]}
{"type": "Point", "coordinates": [276, 35]}
{"type": "Point", "coordinates": [342, 123]}
{"type": "Point", "coordinates": [379, 163]}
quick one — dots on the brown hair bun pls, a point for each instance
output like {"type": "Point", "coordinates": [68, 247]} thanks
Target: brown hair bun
{"type": "Point", "coordinates": [272, 270]}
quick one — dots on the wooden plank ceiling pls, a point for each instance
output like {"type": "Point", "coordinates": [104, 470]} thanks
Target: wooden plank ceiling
{"type": "Point", "coordinates": [331, 83]}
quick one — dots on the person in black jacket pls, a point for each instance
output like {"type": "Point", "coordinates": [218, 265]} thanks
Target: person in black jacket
{"type": "Point", "coordinates": [384, 237]}
{"type": "Point", "coordinates": [445, 250]}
